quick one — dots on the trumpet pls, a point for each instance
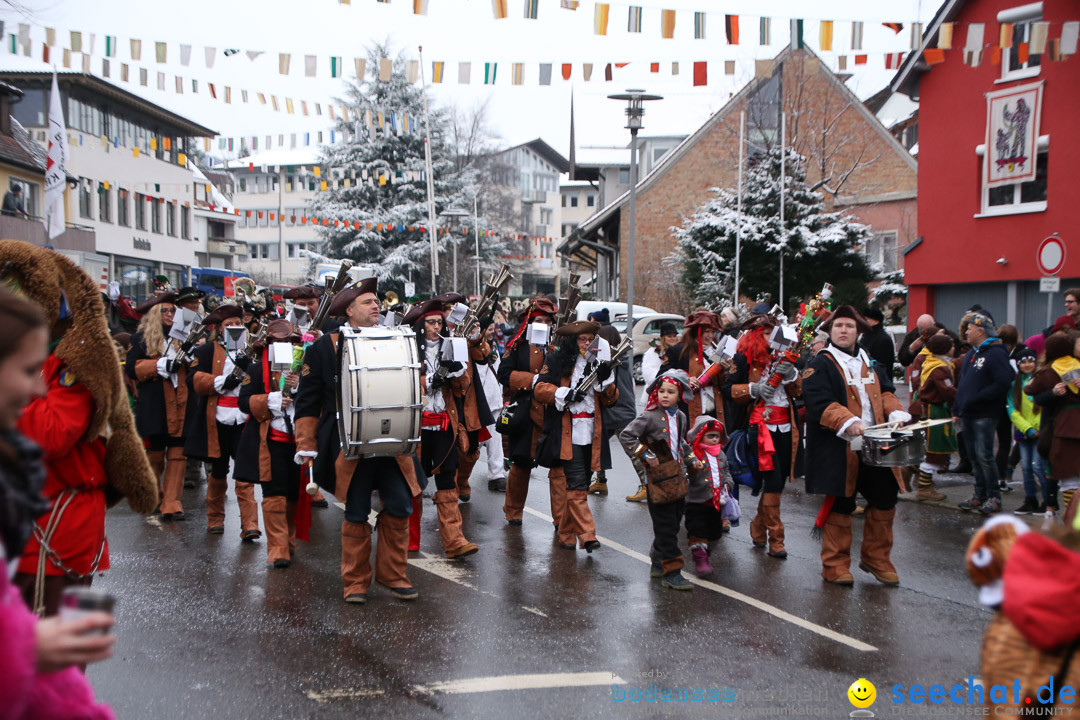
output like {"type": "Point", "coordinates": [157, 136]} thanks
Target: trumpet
{"type": "Point", "coordinates": [568, 304]}
{"type": "Point", "coordinates": [586, 383]}
{"type": "Point", "coordinates": [332, 289]}
{"type": "Point", "coordinates": [250, 348]}
{"type": "Point", "coordinates": [198, 332]}
{"type": "Point", "coordinates": [495, 284]}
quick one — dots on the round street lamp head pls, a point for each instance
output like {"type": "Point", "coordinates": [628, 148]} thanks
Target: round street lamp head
{"type": "Point", "coordinates": [635, 106]}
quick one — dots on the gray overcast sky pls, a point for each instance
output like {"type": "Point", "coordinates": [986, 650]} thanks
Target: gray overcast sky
{"type": "Point", "coordinates": [456, 31]}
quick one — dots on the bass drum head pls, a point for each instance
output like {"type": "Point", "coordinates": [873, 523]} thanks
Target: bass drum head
{"type": "Point", "coordinates": [379, 403]}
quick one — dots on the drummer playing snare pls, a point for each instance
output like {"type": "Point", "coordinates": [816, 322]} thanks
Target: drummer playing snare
{"type": "Point", "coordinates": [845, 393]}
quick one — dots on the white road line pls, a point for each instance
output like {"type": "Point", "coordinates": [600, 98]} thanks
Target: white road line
{"type": "Point", "coordinates": [735, 595]}
{"type": "Point", "coordinates": [497, 683]}
{"type": "Point", "coordinates": [534, 611]}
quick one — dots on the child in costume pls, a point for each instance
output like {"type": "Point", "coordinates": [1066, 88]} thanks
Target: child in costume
{"type": "Point", "coordinates": [710, 491]}
{"type": "Point", "coordinates": [1026, 416]}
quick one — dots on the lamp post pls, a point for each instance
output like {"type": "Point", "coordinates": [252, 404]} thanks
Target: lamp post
{"type": "Point", "coordinates": [635, 110]}
{"type": "Point", "coordinates": [454, 215]}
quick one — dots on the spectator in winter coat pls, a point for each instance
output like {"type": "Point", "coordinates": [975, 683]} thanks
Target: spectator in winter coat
{"type": "Point", "coordinates": [1024, 416]}
{"type": "Point", "coordinates": [983, 384]}
{"type": "Point", "coordinates": [878, 343]}
{"type": "Point", "coordinates": [915, 340]}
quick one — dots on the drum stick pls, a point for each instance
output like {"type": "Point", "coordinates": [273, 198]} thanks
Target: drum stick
{"type": "Point", "coordinates": [312, 487]}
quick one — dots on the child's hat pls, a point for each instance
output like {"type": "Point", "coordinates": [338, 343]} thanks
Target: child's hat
{"type": "Point", "coordinates": [705, 424]}
{"type": "Point", "coordinates": [679, 377]}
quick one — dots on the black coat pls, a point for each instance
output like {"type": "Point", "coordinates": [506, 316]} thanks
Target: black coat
{"type": "Point", "coordinates": [826, 454]}
{"type": "Point", "coordinates": [879, 346]}
{"type": "Point", "coordinates": [151, 417]}
{"type": "Point", "coordinates": [519, 359]}
{"type": "Point", "coordinates": [247, 468]}
{"type": "Point", "coordinates": [317, 397]}
{"type": "Point", "coordinates": [557, 369]}
{"type": "Point", "coordinates": [195, 430]}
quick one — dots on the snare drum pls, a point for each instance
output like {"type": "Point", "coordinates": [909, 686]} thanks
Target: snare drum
{"type": "Point", "coordinates": [884, 447]}
{"type": "Point", "coordinates": [379, 400]}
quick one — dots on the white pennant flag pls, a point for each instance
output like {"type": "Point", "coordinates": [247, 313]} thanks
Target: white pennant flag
{"type": "Point", "coordinates": [56, 165]}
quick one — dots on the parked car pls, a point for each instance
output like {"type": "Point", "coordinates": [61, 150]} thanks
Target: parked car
{"type": "Point", "coordinates": [646, 331]}
{"type": "Point", "coordinates": [615, 309]}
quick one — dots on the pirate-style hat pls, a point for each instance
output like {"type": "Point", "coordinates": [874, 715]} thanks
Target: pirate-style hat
{"type": "Point", "coordinates": [845, 311]}
{"type": "Point", "coordinates": [578, 327]}
{"type": "Point", "coordinates": [344, 298]}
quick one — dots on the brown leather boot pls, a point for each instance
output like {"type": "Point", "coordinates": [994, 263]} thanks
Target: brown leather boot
{"type": "Point", "coordinates": [464, 471]}
{"type": "Point", "coordinates": [877, 545]}
{"type": "Point", "coordinates": [215, 504]}
{"type": "Point", "coordinates": [454, 542]}
{"type": "Point", "coordinates": [392, 556]}
{"type": "Point", "coordinates": [355, 560]}
{"type": "Point", "coordinates": [249, 510]}
{"type": "Point", "coordinates": [157, 464]}
{"type": "Point", "coordinates": [557, 484]}
{"type": "Point", "coordinates": [176, 465]}
{"type": "Point", "coordinates": [757, 526]}
{"type": "Point", "coordinates": [641, 495]}
{"type": "Point", "coordinates": [836, 550]}
{"type": "Point", "coordinates": [770, 502]}
{"type": "Point", "coordinates": [517, 490]}
{"type": "Point", "coordinates": [277, 531]}
{"type": "Point", "coordinates": [290, 517]}
{"type": "Point", "coordinates": [578, 523]}
{"type": "Point", "coordinates": [926, 490]}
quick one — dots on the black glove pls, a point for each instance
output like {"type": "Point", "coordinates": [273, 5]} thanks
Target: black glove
{"type": "Point", "coordinates": [231, 383]}
{"type": "Point", "coordinates": [452, 365]}
{"type": "Point", "coordinates": [172, 366]}
{"type": "Point", "coordinates": [243, 362]}
{"type": "Point", "coordinates": [603, 371]}
{"type": "Point", "coordinates": [485, 322]}
{"type": "Point", "coordinates": [185, 348]}
{"type": "Point", "coordinates": [436, 382]}
{"type": "Point", "coordinates": [576, 396]}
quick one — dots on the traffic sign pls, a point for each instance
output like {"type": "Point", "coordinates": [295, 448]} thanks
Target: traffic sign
{"type": "Point", "coordinates": [1050, 284]}
{"type": "Point", "coordinates": [1050, 257]}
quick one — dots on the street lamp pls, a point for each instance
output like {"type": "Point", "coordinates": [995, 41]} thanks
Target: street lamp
{"type": "Point", "coordinates": [635, 110]}
{"type": "Point", "coordinates": [454, 216]}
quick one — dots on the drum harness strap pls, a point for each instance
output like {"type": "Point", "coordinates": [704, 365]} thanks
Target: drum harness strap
{"type": "Point", "coordinates": [44, 537]}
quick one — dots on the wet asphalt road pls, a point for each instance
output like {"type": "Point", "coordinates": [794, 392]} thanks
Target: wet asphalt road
{"type": "Point", "coordinates": [205, 630]}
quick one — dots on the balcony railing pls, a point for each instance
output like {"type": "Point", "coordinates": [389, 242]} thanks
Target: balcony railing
{"type": "Point", "coordinates": [225, 246]}
{"type": "Point", "coordinates": [31, 229]}
{"type": "Point", "coordinates": [534, 196]}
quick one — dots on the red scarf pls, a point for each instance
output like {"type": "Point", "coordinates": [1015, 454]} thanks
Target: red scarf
{"type": "Point", "coordinates": [653, 401]}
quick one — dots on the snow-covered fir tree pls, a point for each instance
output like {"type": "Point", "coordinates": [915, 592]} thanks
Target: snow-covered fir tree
{"type": "Point", "coordinates": [383, 166]}
{"type": "Point", "coordinates": [818, 246]}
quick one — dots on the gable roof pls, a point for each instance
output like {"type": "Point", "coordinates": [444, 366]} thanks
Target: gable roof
{"type": "Point", "coordinates": [20, 150]}
{"type": "Point", "coordinates": [545, 151]}
{"type": "Point", "coordinates": [906, 80]}
{"type": "Point", "coordinates": [673, 156]}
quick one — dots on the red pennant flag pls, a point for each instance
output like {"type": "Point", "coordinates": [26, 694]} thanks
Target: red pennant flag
{"type": "Point", "coordinates": [731, 29]}
{"type": "Point", "coordinates": [893, 60]}
{"type": "Point", "coordinates": [995, 55]}
{"type": "Point", "coordinates": [895, 27]}
{"type": "Point", "coordinates": [933, 56]}
{"type": "Point", "coordinates": [566, 69]}
{"type": "Point", "coordinates": [1022, 52]}
{"type": "Point", "coordinates": [251, 167]}
{"type": "Point", "coordinates": [860, 59]}
{"type": "Point", "coordinates": [654, 67]}
{"type": "Point", "coordinates": [701, 73]}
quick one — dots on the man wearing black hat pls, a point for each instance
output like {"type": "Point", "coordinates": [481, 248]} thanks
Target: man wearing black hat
{"type": "Point", "coordinates": [189, 298]}
{"type": "Point", "coordinates": [877, 343]}
{"type": "Point", "coordinates": [573, 436]}
{"type": "Point", "coordinates": [216, 420]}
{"type": "Point", "coordinates": [846, 393]}
{"type": "Point", "coordinates": [305, 301]}
{"type": "Point", "coordinates": [518, 372]}
{"type": "Point", "coordinates": [355, 480]}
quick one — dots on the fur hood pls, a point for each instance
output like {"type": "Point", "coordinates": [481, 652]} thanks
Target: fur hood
{"type": "Point", "coordinates": [58, 285]}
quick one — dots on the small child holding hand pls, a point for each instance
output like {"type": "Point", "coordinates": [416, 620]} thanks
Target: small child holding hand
{"type": "Point", "coordinates": [710, 491]}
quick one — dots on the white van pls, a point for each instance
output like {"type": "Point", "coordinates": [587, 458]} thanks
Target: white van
{"type": "Point", "coordinates": [615, 309]}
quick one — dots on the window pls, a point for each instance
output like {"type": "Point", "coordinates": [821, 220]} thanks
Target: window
{"type": "Point", "coordinates": [253, 251]}
{"type": "Point", "coordinates": [241, 219]}
{"type": "Point", "coordinates": [185, 223]}
{"type": "Point", "coordinates": [31, 195]}
{"type": "Point", "coordinates": [243, 185]}
{"type": "Point", "coordinates": [140, 211]}
{"type": "Point", "coordinates": [264, 221]}
{"type": "Point", "coordinates": [104, 203]}
{"type": "Point", "coordinates": [122, 204]}
{"type": "Point", "coordinates": [1022, 18]}
{"type": "Point", "coordinates": [564, 200]}
{"type": "Point", "coordinates": [170, 219]}
{"type": "Point", "coordinates": [624, 177]}
{"type": "Point", "coordinates": [155, 215]}
{"type": "Point", "coordinates": [1018, 197]}
{"type": "Point", "coordinates": [573, 200]}
{"type": "Point", "coordinates": [292, 250]}
{"type": "Point", "coordinates": [590, 200]}
{"type": "Point", "coordinates": [880, 252]}
{"type": "Point", "coordinates": [84, 198]}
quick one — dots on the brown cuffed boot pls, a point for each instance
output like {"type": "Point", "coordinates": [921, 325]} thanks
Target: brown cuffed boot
{"type": "Point", "coordinates": [157, 464]}
{"type": "Point", "coordinates": [277, 531]}
{"type": "Point", "coordinates": [215, 504]}
{"type": "Point", "coordinates": [517, 490]}
{"type": "Point", "coordinates": [466, 463]}
{"type": "Point", "coordinates": [877, 545]}
{"type": "Point", "coordinates": [249, 510]}
{"type": "Point", "coordinates": [176, 465]}
{"type": "Point", "coordinates": [926, 490]}
{"type": "Point", "coordinates": [290, 517]}
{"type": "Point", "coordinates": [454, 542]}
{"type": "Point", "coordinates": [836, 550]}
{"type": "Point", "coordinates": [770, 503]}
{"type": "Point", "coordinates": [757, 525]}
{"type": "Point", "coordinates": [355, 560]}
{"type": "Point", "coordinates": [392, 556]}
{"type": "Point", "coordinates": [578, 523]}
{"type": "Point", "coordinates": [557, 484]}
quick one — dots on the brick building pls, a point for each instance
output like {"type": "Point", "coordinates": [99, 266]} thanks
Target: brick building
{"type": "Point", "coordinates": [866, 172]}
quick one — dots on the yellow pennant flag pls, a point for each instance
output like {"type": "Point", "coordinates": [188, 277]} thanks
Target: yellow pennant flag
{"type": "Point", "coordinates": [317, 171]}
{"type": "Point", "coordinates": [944, 38]}
{"type": "Point", "coordinates": [600, 18]}
{"type": "Point", "coordinates": [826, 35]}
{"type": "Point", "coordinates": [667, 24]}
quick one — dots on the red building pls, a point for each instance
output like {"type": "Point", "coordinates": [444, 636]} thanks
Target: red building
{"type": "Point", "coordinates": [978, 241]}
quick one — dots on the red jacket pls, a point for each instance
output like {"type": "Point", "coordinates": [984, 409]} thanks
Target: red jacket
{"type": "Point", "coordinates": [58, 423]}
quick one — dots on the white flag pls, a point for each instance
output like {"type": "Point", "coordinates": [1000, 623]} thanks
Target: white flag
{"type": "Point", "coordinates": [55, 166]}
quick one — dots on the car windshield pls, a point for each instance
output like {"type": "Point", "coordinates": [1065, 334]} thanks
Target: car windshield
{"type": "Point", "coordinates": [619, 325]}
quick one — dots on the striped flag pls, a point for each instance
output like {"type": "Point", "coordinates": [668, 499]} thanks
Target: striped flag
{"type": "Point", "coordinates": [569, 4]}
{"type": "Point", "coordinates": [731, 29]}
{"type": "Point", "coordinates": [667, 24]}
{"type": "Point", "coordinates": [856, 35]}
{"type": "Point", "coordinates": [893, 61]}
{"type": "Point", "coordinates": [699, 26]}
{"type": "Point", "coordinates": [600, 18]}
{"type": "Point", "coordinates": [499, 8]}
{"type": "Point", "coordinates": [489, 73]}
{"type": "Point", "coordinates": [335, 66]}
{"type": "Point", "coordinates": [944, 38]}
{"type": "Point", "coordinates": [517, 74]}
{"type": "Point", "coordinates": [110, 46]}
{"type": "Point", "coordinates": [797, 34]}
{"type": "Point", "coordinates": [437, 72]}
{"type": "Point", "coordinates": [765, 31]}
{"type": "Point", "coordinates": [419, 7]}
{"type": "Point", "coordinates": [531, 8]}
{"type": "Point", "coordinates": [825, 35]}
{"type": "Point", "coordinates": [633, 21]}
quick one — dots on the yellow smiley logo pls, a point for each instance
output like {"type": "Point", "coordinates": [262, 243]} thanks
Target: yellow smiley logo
{"type": "Point", "coordinates": [862, 693]}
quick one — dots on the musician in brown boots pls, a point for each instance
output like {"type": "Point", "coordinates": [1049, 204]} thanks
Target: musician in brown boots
{"type": "Point", "coordinates": [216, 420]}
{"type": "Point", "coordinates": [443, 430]}
{"type": "Point", "coordinates": [845, 394]}
{"type": "Point", "coordinates": [354, 480]}
{"type": "Point", "coordinates": [573, 437]}
{"type": "Point", "coordinates": [162, 404]}
{"type": "Point", "coordinates": [772, 425]}
{"type": "Point", "coordinates": [268, 445]}
{"type": "Point", "coordinates": [518, 373]}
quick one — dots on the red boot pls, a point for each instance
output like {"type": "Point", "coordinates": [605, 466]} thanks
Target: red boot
{"type": "Point", "coordinates": [414, 525]}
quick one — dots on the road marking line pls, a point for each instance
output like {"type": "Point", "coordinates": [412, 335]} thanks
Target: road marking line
{"type": "Point", "coordinates": [535, 611]}
{"type": "Point", "coordinates": [496, 683]}
{"type": "Point", "coordinates": [735, 595]}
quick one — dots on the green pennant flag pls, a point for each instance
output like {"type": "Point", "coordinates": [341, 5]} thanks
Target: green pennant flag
{"type": "Point", "coordinates": [14, 44]}
{"type": "Point", "coordinates": [110, 45]}
{"type": "Point", "coordinates": [489, 72]}
{"type": "Point", "coordinates": [796, 34]}
{"type": "Point", "coordinates": [335, 67]}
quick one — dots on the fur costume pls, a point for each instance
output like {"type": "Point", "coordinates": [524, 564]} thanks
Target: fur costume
{"type": "Point", "coordinates": [86, 348]}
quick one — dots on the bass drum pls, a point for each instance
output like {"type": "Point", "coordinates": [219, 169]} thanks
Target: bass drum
{"type": "Point", "coordinates": [379, 401]}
